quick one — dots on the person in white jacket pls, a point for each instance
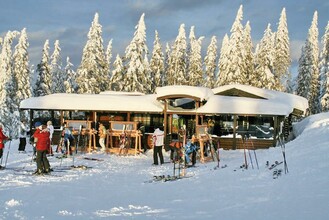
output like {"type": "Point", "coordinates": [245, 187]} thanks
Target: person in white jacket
{"type": "Point", "coordinates": [158, 137]}
{"type": "Point", "coordinates": [23, 129]}
{"type": "Point", "coordinates": [51, 131]}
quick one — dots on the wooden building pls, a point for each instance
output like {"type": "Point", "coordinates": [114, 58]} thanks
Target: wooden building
{"type": "Point", "coordinates": [230, 112]}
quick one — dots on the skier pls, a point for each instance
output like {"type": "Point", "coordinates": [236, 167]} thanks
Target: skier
{"type": "Point", "coordinates": [22, 130]}
{"type": "Point", "coordinates": [102, 136]}
{"type": "Point", "coordinates": [2, 140]}
{"type": "Point", "coordinates": [141, 129]}
{"type": "Point", "coordinates": [41, 137]}
{"type": "Point", "coordinates": [68, 139]}
{"type": "Point", "coordinates": [158, 137]}
{"type": "Point", "coordinates": [123, 144]}
{"type": "Point", "coordinates": [51, 132]}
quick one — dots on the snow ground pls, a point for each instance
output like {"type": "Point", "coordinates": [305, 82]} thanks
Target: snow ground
{"type": "Point", "coordinates": [117, 187]}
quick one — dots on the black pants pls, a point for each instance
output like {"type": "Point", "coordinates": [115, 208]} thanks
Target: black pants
{"type": "Point", "coordinates": [157, 150]}
{"type": "Point", "coordinates": [1, 153]}
{"type": "Point", "coordinates": [42, 161]}
{"type": "Point", "coordinates": [22, 144]}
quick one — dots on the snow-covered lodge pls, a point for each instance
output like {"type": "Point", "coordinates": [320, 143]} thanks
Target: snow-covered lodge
{"type": "Point", "coordinates": [228, 112]}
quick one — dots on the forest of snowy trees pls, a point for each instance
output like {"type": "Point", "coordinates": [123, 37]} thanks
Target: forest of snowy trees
{"type": "Point", "coordinates": [265, 65]}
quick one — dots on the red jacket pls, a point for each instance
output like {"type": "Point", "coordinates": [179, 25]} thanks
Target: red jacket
{"type": "Point", "coordinates": [43, 140]}
{"type": "Point", "coordinates": [2, 138]}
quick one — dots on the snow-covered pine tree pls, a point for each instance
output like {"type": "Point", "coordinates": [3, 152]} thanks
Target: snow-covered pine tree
{"type": "Point", "coordinates": [43, 83]}
{"type": "Point", "coordinates": [56, 70]}
{"type": "Point", "coordinates": [91, 74]}
{"type": "Point", "coordinates": [236, 61]}
{"type": "Point", "coordinates": [210, 62]}
{"type": "Point", "coordinates": [70, 84]}
{"type": "Point", "coordinates": [223, 63]}
{"type": "Point", "coordinates": [108, 56]}
{"type": "Point", "coordinates": [308, 84]}
{"type": "Point", "coordinates": [195, 71]}
{"type": "Point", "coordinates": [135, 54]}
{"type": "Point", "coordinates": [248, 56]}
{"type": "Point", "coordinates": [9, 115]}
{"type": "Point", "coordinates": [117, 79]}
{"type": "Point", "coordinates": [157, 63]}
{"type": "Point", "coordinates": [176, 72]}
{"type": "Point", "coordinates": [282, 58]}
{"type": "Point", "coordinates": [21, 71]}
{"type": "Point", "coordinates": [166, 65]}
{"type": "Point", "coordinates": [264, 61]}
{"type": "Point", "coordinates": [324, 70]}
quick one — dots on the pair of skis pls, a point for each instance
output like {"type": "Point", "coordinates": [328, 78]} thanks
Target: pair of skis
{"type": "Point", "coordinates": [283, 150]}
{"type": "Point", "coordinates": [244, 141]}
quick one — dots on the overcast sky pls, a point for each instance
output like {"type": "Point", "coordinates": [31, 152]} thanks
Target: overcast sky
{"type": "Point", "coordinates": [69, 21]}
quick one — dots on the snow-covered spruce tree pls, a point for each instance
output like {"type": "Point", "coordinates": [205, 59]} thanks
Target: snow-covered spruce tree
{"type": "Point", "coordinates": [21, 71]}
{"type": "Point", "coordinates": [210, 62]}
{"type": "Point", "coordinates": [236, 62]}
{"type": "Point", "coordinates": [43, 83]}
{"type": "Point", "coordinates": [108, 56]}
{"type": "Point", "coordinates": [176, 72]}
{"type": "Point", "coordinates": [91, 74]}
{"type": "Point", "coordinates": [117, 80]}
{"type": "Point", "coordinates": [308, 84]}
{"type": "Point", "coordinates": [166, 65]}
{"type": "Point", "coordinates": [9, 115]}
{"type": "Point", "coordinates": [194, 71]}
{"type": "Point", "coordinates": [70, 84]}
{"type": "Point", "coordinates": [282, 58]}
{"type": "Point", "coordinates": [157, 63]}
{"type": "Point", "coordinates": [248, 55]}
{"type": "Point", "coordinates": [135, 54]}
{"type": "Point", "coordinates": [147, 81]}
{"type": "Point", "coordinates": [223, 67]}
{"type": "Point", "coordinates": [324, 70]}
{"type": "Point", "coordinates": [56, 70]}
{"type": "Point", "coordinates": [264, 61]}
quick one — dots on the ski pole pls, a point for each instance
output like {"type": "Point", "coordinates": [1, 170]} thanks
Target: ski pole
{"type": "Point", "coordinates": [245, 155]}
{"type": "Point", "coordinates": [218, 159]}
{"type": "Point", "coordinates": [1, 161]}
{"type": "Point", "coordinates": [256, 159]}
{"type": "Point", "coordinates": [283, 149]}
{"type": "Point", "coordinates": [252, 165]}
{"type": "Point", "coordinates": [7, 153]}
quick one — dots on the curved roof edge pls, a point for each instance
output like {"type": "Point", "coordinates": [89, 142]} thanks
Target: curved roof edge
{"type": "Point", "coordinates": [181, 91]}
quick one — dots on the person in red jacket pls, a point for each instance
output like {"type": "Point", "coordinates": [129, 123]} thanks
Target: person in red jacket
{"type": "Point", "coordinates": [2, 140]}
{"type": "Point", "coordinates": [41, 137]}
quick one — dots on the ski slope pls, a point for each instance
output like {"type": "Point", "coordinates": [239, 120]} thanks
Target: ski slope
{"type": "Point", "coordinates": [119, 188]}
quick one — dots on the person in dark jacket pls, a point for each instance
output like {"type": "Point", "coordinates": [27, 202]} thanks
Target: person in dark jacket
{"type": "Point", "coordinates": [41, 137]}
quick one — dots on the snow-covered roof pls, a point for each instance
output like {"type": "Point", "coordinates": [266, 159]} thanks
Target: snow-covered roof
{"type": "Point", "coordinates": [269, 102]}
{"type": "Point", "coordinates": [121, 93]}
{"type": "Point", "coordinates": [179, 91]}
{"type": "Point", "coordinates": [96, 102]}
{"type": "Point", "coordinates": [249, 101]}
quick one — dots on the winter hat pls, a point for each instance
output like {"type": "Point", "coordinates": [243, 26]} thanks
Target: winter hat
{"type": "Point", "coordinates": [37, 124]}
